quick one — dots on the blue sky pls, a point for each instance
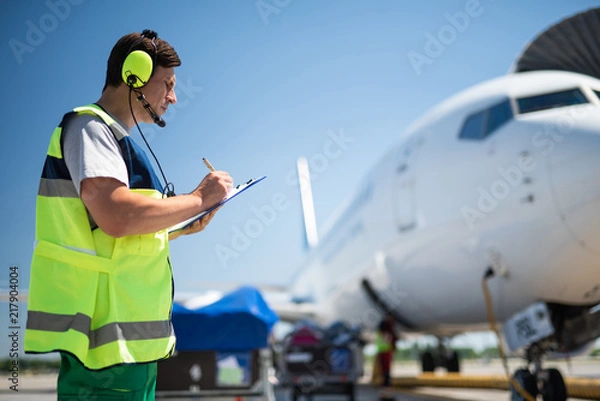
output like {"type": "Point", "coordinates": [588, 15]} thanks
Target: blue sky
{"type": "Point", "coordinates": [262, 83]}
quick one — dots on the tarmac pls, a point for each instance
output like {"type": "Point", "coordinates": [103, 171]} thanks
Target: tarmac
{"type": "Point", "coordinates": [42, 387]}
{"type": "Point", "coordinates": [364, 393]}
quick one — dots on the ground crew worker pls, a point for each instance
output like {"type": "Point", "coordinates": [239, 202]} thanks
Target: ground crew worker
{"type": "Point", "coordinates": [386, 347]}
{"type": "Point", "coordinates": [101, 281]}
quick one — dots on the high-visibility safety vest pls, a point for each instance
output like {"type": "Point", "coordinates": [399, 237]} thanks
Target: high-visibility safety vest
{"type": "Point", "coordinates": [382, 342]}
{"type": "Point", "coordinates": [105, 300]}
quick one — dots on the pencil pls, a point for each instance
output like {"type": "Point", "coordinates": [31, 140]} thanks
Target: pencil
{"type": "Point", "coordinates": [210, 167]}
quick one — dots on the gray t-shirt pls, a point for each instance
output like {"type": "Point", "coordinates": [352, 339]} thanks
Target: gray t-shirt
{"type": "Point", "coordinates": [91, 150]}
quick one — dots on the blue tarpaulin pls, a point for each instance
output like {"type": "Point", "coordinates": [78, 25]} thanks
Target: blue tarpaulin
{"type": "Point", "coordinates": [241, 320]}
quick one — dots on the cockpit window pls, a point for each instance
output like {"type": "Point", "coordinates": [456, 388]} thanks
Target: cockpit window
{"type": "Point", "coordinates": [498, 115]}
{"type": "Point", "coordinates": [473, 128]}
{"type": "Point", "coordinates": [551, 100]}
{"type": "Point", "coordinates": [482, 124]}
{"type": "Point", "coordinates": [597, 92]}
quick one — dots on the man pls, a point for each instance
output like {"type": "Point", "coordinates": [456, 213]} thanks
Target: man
{"type": "Point", "coordinates": [101, 282]}
{"type": "Point", "coordinates": [386, 339]}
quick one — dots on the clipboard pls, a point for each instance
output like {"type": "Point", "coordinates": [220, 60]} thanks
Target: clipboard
{"type": "Point", "coordinates": [232, 194]}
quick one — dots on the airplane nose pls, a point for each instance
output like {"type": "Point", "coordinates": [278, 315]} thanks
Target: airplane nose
{"type": "Point", "coordinates": [574, 172]}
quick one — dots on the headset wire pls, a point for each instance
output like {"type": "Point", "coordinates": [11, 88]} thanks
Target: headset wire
{"type": "Point", "coordinates": [169, 188]}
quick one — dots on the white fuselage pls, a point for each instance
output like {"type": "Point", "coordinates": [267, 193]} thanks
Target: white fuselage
{"type": "Point", "coordinates": [438, 210]}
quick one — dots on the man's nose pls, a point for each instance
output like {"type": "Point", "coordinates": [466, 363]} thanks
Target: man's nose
{"type": "Point", "coordinates": [171, 96]}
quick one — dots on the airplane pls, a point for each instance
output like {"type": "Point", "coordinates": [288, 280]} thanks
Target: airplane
{"type": "Point", "coordinates": [497, 187]}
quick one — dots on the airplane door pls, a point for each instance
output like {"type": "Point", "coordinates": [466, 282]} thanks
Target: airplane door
{"type": "Point", "coordinates": [404, 185]}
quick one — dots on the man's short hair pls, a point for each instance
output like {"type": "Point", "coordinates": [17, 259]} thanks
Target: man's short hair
{"type": "Point", "coordinates": [165, 56]}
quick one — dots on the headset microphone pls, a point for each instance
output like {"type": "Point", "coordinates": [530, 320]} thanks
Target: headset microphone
{"type": "Point", "coordinates": [159, 121]}
{"type": "Point", "coordinates": [155, 117]}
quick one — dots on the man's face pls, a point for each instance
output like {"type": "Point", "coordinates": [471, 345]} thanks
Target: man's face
{"type": "Point", "coordinates": [159, 91]}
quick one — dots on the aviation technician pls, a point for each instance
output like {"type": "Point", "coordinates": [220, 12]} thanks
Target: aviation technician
{"type": "Point", "coordinates": [101, 281]}
{"type": "Point", "coordinates": [386, 339]}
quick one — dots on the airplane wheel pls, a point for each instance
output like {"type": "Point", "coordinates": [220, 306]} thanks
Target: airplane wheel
{"type": "Point", "coordinates": [453, 363]}
{"type": "Point", "coordinates": [553, 386]}
{"type": "Point", "coordinates": [427, 362]}
{"type": "Point", "coordinates": [525, 380]}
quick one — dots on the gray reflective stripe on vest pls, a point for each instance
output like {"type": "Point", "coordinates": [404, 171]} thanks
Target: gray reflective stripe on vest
{"type": "Point", "coordinates": [111, 332]}
{"type": "Point", "coordinates": [57, 188]}
{"type": "Point", "coordinates": [73, 248]}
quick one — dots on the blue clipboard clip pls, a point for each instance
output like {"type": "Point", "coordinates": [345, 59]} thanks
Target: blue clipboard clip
{"type": "Point", "coordinates": [232, 194]}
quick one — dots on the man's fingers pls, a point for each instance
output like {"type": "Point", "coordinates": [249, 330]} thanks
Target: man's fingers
{"type": "Point", "coordinates": [201, 223]}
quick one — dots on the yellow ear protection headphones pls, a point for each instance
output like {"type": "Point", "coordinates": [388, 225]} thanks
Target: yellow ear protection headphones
{"type": "Point", "coordinates": [138, 66]}
{"type": "Point", "coordinates": [136, 71]}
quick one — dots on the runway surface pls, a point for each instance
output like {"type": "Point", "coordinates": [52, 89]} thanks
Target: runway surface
{"type": "Point", "coordinates": [42, 387]}
{"type": "Point", "coordinates": [365, 393]}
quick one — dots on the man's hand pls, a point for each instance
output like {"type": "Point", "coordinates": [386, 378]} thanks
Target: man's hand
{"type": "Point", "coordinates": [196, 227]}
{"type": "Point", "coordinates": [213, 188]}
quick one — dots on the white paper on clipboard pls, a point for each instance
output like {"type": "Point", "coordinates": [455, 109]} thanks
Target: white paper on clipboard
{"type": "Point", "coordinates": [232, 194]}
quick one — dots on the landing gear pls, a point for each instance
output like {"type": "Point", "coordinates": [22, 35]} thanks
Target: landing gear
{"type": "Point", "coordinates": [550, 381]}
{"type": "Point", "coordinates": [527, 382]}
{"type": "Point", "coordinates": [452, 362]}
{"type": "Point", "coordinates": [427, 362]}
{"type": "Point", "coordinates": [547, 382]}
{"type": "Point", "coordinates": [553, 385]}
{"type": "Point", "coordinates": [445, 358]}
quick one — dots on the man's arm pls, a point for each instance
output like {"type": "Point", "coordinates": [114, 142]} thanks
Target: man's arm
{"type": "Point", "coordinates": [120, 212]}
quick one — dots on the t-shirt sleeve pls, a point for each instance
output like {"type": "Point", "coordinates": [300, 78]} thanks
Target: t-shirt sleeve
{"type": "Point", "coordinates": [91, 150]}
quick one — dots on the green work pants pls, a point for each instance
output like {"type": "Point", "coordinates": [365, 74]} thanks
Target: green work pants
{"type": "Point", "coordinates": [129, 382]}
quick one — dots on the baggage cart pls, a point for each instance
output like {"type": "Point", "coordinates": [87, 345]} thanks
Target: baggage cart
{"type": "Point", "coordinates": [312, 362]}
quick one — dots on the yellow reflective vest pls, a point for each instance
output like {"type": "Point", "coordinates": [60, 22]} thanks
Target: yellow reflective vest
{"type": "Point", "coordinates": [105, 300]}
{"type": "Point", "coordinates": [383, 342]}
